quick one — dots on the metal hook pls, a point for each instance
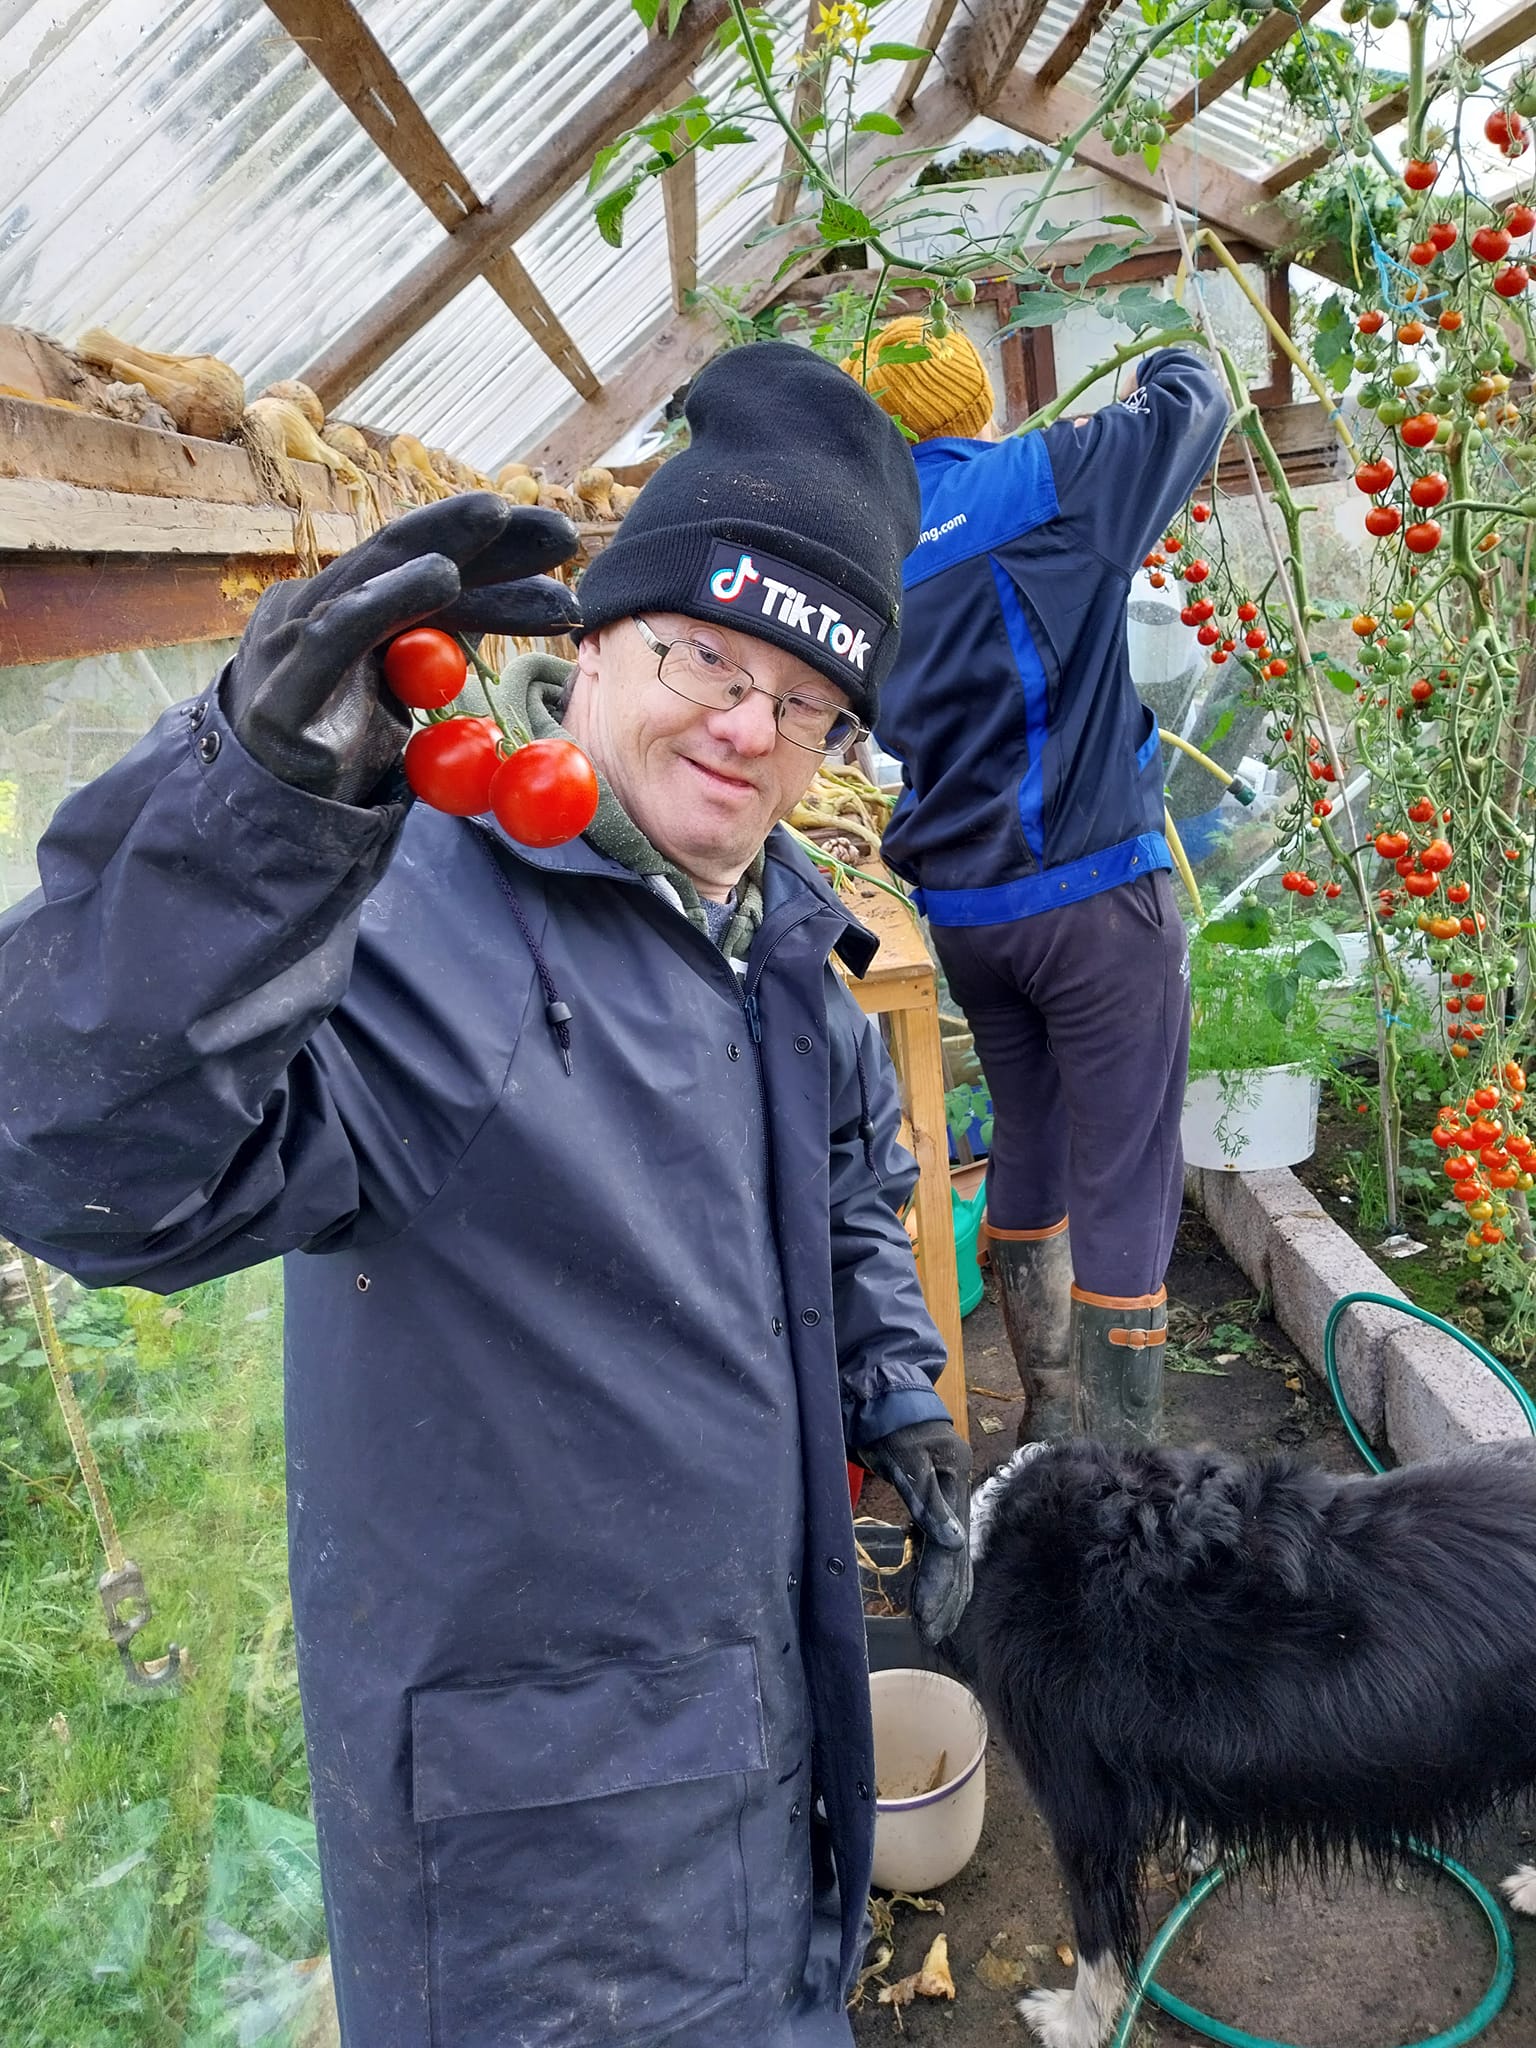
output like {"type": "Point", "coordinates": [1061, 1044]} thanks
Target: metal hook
{"type": "Point", "coordinates": [117, 1589]}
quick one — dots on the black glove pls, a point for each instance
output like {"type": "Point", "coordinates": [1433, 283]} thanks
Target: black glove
{"type": "Point", "coordinates": [930, 1467]}
{"type": "Point", "coordinates": [305, 692]}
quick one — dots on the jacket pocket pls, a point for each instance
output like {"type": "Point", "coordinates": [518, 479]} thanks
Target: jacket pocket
{"type": "Point", "coordinates": [581, 1851]}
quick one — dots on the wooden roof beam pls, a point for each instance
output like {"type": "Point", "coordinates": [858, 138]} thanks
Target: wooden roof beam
{"type": "Point", "coordinates": [1087, 22]}
{"type": "Point", "coordinates": [786, 196]}
{"type": "Point", "coordinates": [929, 36]}
{"type": "Point", "coordinates": [680, 205]}
{"type": "Point", "coordinates": [343, 49]}
{"type": "Point", "coordinates": [1272, 33]}
{"type": "Point", "coordinates": [1497, 40]}
{"type": "Point", "coordinates": [992, 46]}
{"type": "Point", "coordinates": [682, 345]}
{"type": "Point", "coordinates": [491, 229]}
{"type": "Point", "coordinates": [1234, 204]}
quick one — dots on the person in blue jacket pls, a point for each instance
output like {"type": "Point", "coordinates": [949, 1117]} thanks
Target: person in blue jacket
{"type": "Point", "coordinates": [1031, 825]}
{"type": "Point", "coordinates": [584, 1164]}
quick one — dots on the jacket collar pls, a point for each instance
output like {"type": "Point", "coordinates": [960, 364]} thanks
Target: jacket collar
{"type": "Point", "coordinates": [793, 886]}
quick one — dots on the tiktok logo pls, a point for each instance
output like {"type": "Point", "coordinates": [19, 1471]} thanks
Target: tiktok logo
{"type": "Point", "coordinates": [728, 584]}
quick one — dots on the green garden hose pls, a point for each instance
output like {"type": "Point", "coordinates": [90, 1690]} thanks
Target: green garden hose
{"type": "Point", "coordinates": [1493, 1998]}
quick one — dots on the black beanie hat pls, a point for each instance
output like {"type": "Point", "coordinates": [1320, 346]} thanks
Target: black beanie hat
{"type": "Point", "coordinates": [787, 516]}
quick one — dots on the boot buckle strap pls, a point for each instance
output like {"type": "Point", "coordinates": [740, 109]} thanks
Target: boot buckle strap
{"type": "Point", "coordinates": [1138, 1340]}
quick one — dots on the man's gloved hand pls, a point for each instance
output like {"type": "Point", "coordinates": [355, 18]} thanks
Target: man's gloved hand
{"type": "Point", "coordinates": [305, 692]}
{"type": "Point", "coordinates": [930, 1467]}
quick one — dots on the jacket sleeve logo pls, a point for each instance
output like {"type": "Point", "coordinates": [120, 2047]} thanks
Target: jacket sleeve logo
{"type": "Point", "coordinates": [758, 587]}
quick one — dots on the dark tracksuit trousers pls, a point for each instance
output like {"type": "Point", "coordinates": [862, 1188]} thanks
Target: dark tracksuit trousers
{"type": "Point", "coordinates": [1086, 1110]}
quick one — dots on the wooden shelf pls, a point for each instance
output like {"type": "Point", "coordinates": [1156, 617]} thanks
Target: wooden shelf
{"type": "Point", "coordinates": [903, 986]}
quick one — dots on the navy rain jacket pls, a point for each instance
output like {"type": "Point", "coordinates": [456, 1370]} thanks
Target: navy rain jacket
{"type": "Point", "coordinates": [571, 1358]}
{"type": "Point", "coordinates": [1031, 767]}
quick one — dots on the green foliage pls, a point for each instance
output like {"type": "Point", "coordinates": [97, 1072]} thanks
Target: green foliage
{"type": "Point", "coordinates": [967, 165]}
{"type": "Point", "coordinates": [130, 1823]}
{"type": "Point", "coordinates": [1256, 1005]}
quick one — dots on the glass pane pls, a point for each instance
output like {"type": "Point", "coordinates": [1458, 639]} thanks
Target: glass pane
{"type": "Point", "coordinates": [158, 1878]}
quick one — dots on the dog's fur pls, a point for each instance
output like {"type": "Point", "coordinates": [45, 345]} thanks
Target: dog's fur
{"type": "Point", "coordinates": [1291, 1669]}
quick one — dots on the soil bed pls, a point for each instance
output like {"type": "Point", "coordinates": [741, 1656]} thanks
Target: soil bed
{"type": "Point", "coordinates": [1366, 1966]}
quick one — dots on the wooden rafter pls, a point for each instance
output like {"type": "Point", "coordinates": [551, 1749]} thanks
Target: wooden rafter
{"type": "Point", "coordinates": [680, 204]}
{"type": "Point", "coordinates": [1084, 26]}
{"type": "Point", "coordinates": [786, 194]}
{"type": "Point", "coordinates": [993, 44]}
{"type": "Point", "coordinates": [930, 35]}
{"type": "Point", "coordinates": [343, 49]}
{"type": "Point", "coordinates": [683, 344]}
{"type": "Point", "coordinates": [1231, 202]}
{"type": "Point", "coordinates": [1272, 32]}
{"type": "Point", "coordinates": [513, 207]}
{"type": "Point", "coordinates": [680, 201]}
{"type": "Point", "coordinates": [1497, 40]}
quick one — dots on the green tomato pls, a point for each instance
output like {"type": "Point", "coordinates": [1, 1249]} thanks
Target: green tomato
{"type": "Point", "coordinates": [1443, 433]}
{"type": "Point", "coordinates": [1398, 643]}
{"type": "Point", "coordinates": [1384, 14]}
{"type": "Point", "coordinates": [1354, 11]}
{"type": "Point", "coordinates": [1404, 374]}
{"type": "Point", "coordinates": [963, 291]}
{"type": "Point", "coordinates": [1392, 413]}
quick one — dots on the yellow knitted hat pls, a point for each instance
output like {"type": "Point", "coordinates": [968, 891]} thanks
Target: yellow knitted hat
{"type": "Point", "coordinates": [950, 393]}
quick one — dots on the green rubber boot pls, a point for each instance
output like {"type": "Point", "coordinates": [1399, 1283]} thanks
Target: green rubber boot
{"type": "Point", "coordinates": [1034, 1281]}
{"type": "Point", "coordinates": [1117, 1365]}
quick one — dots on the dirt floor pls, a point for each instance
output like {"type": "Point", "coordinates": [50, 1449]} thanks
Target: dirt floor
{"type": "Point", "coordinates": [1365, 1967]}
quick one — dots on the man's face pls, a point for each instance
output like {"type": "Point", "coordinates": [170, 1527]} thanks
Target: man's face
{"type": "Point", "coordinates": [704, 786]}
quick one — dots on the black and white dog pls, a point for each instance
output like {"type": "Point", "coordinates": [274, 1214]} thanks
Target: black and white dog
{"type": "Point", "coordinates": [1289, 1669]}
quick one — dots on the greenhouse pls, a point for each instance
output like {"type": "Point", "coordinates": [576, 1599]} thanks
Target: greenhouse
{"type": "Point", "coordinates": [767, 814]}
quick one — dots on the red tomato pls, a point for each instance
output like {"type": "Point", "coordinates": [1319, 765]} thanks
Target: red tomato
{"type": "Point", "coordinates": [1443, 234]}
{"type": "Point", "coordinates": [1374, 476]}
{"type": "Point", "coordinates": [1420, 174]}
{"type": "Point", "coordinates": [1506, 131]}
{"type": "Point", "coordinates": [1200, 513]}
{"type": "Point", "coordinates": [1419, 430]}
{"type": "Point", "coordinates": [425, 668]}
{"type": "Point", "coordinates": [1458, 892]}
{"type": "Point", "coordinates": [1450, 320]}
{"type": "Point", "coordinates": [1333, 890]}
{"type": "Point", "coordinates": [1437, 856]}
{"type": "Point", "coordinates": [1391, 845]}
{"type": "Point", "coordinates": [1459, 1169]}
{"type": "Point", "coordinates": [1423, 254]}
{"type": "Point", "coordinates": [1421, 810]}
{"type": "Point", "coordinates": [1491, 244]}
{"type": "Point", "coordinates": [1520, 219]}
{"type": "Point", "coordinates": [1383, 521]}
{"type": "Point", "coordinates": [1485, 1098]}
{"type": "Point", "coordinates": [1196, 572]}
{"type": "Point", "coordinates": [1255, 639]}
{"type": "Point", "coordinates": [545, 793]}
{"type": "Point", "coordinates": [450, 765]}
{"type": "Point", "coordinates": [1411, 332]}
{"type": "Point", "coordinates": [1305, 886]}
{"type": "Point", "coordinates": [1371, 321]}
{"type": "Point", "coordinates": [1208, 636]}
{"type": "Point", "coordinates": [1429, 489]}
{"type": "Point", "coordinates": [1422, 537]}
{"type": "Point", "coordinates": [1247, 610]}
{"type": "Point", "coordinates": [1422, 692]}
{"type": "Point", "coordinates": [1421, 885]}
{"type": "Point", "coordinates": [1510, 283]}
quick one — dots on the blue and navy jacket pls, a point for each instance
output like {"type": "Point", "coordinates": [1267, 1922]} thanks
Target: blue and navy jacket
{"type": "Point", "coordinates": [1031, 767]}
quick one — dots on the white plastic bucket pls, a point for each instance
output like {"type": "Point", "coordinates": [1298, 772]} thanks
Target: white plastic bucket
{"type": "Point", "coordinates": [926, 1833]}
{"type": "Point", "coordinates": [1246, 1122]}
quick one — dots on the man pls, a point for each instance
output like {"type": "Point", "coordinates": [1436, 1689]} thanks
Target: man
{"type": "Point", "coordinates": [1031, 824]}
{"type": "Point", "coordinates": [586, 1165]}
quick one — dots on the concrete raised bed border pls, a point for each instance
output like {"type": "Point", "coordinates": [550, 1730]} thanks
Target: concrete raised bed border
{"type": "Point", "coordinates": [1411, 1388]}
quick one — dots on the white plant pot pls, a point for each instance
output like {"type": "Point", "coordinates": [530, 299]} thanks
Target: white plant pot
{"type": "Point", "coordinates": [1248, 1122]}
{"type": "Point", "coordinates": [926, 1833]}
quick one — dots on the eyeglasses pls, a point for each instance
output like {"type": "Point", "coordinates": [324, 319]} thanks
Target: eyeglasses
{"type": "Point", "coordinates": [705, 675]}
